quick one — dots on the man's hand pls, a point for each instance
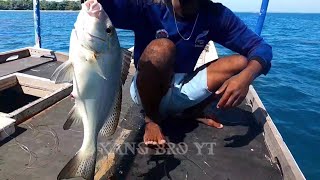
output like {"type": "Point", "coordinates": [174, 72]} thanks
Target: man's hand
{"type": "Point", "coordinates": [235, 89]}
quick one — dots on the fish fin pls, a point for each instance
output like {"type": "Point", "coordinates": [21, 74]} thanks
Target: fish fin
{"type": "Point", "coordinates": [93, 58]}
{"type": "Point", "coordinates": [81, 165]}
{"type": "Point", "coordinates": [126, 61]}
{"type": "Point", "coordinates": [99, 71]}
{"type": "Point", "coordinates": [64, 73]}
{"type": "Point", "coordinates": [111, 124]}
{"type": "Point", "coordinates": [73, 117]}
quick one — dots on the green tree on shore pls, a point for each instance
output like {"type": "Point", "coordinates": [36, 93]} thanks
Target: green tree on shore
{"type": "Point", "coordinates": [4, 5]}
{"type": "Point", "coordinates": [44, 5]}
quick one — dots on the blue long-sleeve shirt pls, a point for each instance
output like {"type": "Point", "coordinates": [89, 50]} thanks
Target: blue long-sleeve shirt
{"type": "Point", "coordinates": [153, 18]}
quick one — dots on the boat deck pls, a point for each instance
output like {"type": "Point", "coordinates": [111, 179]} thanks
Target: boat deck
{"type": "Point", "coordinates": [236, 152]}
{"type": "Point", "coordinates": [40, 148]}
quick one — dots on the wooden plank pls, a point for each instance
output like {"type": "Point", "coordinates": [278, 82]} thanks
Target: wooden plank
{"type": "Point", "coordinates": [6, 127]}
{"type": "Point", "coordinates": [41, 52]}
{"type": "Point", "coordinates": [41, 87]}
{"type": "Point", "coordinates": [21, 114]}
{"type": "Point", "coordinates": [21, 64]}
{"type": "Point", "coordinates": [107, 162]}
{"type": "Point", "coordinates": [38, 82]}
{"type": "Point", "coordinates": [34, 91]}
{"type": "Point", "coordinates": [276, 146]}
{"type": "Point", "coordinates": [8, 82]}
{"type": "Point", "coordinates": [15, 54]}
{"type": "Point", "coordinates": [61, 56]}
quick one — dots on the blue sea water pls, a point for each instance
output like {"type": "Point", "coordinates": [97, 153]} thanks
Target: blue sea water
{"type": "Point", "coordinates": [290, 92]}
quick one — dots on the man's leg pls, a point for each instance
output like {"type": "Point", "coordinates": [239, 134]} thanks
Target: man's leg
{"type": "Point", "coordinates": [155, 71]}
{"type": "Point", "coordinates": [223, 69]}
{"type": "Point", "coordinates": [217, 73]}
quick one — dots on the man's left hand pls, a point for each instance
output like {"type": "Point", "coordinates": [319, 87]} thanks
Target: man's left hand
{"type": "Point", "coordinates": [233, 91]}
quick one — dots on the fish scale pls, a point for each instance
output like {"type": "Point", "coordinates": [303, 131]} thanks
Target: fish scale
{"type": "Point", "coordinates": [110, 126]}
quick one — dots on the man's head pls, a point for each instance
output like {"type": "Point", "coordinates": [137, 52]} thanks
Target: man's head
{"type": "Point", "coordinates": [187, 8]}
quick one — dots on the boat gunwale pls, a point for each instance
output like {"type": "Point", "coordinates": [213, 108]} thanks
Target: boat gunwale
{"type": "Point", "coordinates": [276, 146]}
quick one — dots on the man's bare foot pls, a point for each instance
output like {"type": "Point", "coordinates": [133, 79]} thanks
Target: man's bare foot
{"type": "Point", "coordinates": [210, 120]}
{"type": "Point", "coordinates": [153, 134]}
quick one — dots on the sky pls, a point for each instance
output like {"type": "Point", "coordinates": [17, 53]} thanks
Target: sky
{"type": "Point", "coordinates": [299, 6]}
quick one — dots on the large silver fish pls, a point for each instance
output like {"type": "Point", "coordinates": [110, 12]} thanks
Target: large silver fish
{"type": "Point", "coordinates": [94, 66]}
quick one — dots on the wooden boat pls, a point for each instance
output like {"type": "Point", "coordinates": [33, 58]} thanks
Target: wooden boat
{"type": "Point", "coordinates": [34, 146]}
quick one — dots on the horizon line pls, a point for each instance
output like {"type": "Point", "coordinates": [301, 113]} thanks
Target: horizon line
{"type": "Point", "coordinates": [280, 12]}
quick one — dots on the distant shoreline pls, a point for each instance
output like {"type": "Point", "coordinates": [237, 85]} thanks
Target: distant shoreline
{"type": "Point", "coordinates": [40, 10]}
{"type": "Point", "coordinates": [233, 11]}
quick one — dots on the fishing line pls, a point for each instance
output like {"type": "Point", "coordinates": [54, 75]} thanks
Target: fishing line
{"type": "Point", "coordinates": [197, 166]}
{"type": "Point", "coordinates": [26, 149]}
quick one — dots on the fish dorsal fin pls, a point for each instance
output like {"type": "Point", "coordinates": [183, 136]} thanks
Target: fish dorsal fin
{"type": "Point", "coordinates": [64, 73]}
{"type": "Point", "coordinates": [73, 117]}
{"type": "Point", "coordinates": [126, 61]}
{"type": "Point", "coordinates": [111, 124]}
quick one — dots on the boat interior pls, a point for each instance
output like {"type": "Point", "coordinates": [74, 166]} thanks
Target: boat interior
{"type": "Point", "coordinates": [34, 145]}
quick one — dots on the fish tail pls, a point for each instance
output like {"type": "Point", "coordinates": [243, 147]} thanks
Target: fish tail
{"type": "Point", "coordinates": [81, 165]}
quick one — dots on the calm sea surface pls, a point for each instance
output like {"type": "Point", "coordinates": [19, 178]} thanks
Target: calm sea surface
{"type": "Point", "coordinates": [290, 92]}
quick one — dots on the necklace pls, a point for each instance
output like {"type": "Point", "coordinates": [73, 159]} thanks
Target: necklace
{"type": "Point", "coordinates": [175, 20]}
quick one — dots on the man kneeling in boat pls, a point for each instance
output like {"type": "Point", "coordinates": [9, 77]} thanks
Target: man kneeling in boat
{"type": "Point", "coordinates": [169, 38]}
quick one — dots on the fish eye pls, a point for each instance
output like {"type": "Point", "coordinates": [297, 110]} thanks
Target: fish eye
{"type": "Point", "coordinates": [109, 30]}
